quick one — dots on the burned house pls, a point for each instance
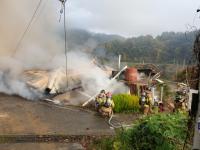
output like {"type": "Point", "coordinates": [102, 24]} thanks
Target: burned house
{"type": "Point", "coordinates": [149, 70]}
{"type": "Point", "coordinates": [139, 77]}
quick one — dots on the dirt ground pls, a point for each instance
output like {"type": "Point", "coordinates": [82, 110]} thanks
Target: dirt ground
{"type": "Point", "coordinates": [30, 125]}
{"type": "Point", "coordinates": [42, 146]}
{"type": "Point", "coordinates": [22, 117]}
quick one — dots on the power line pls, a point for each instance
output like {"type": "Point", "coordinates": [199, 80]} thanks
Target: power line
{"type": "Point", "coordinates": [27, 28]}
{"type": "Point", "coordinates": [43, 7]}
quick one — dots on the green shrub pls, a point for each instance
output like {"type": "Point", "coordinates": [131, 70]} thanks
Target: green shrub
{"type": "Point", "coordinates": [155, 132]}
{"type": "Point", "coordinates": [159, 132]}
{"type": "Point", "coordinates": [126, 103]}
{"type": "Point", "coordinates": [103, 144]}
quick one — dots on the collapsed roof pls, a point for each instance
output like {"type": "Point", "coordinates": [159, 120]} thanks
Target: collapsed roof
{"type": "Point", "coordinates": [148, 69]}
{"type": "Point", "coordinates": [52, 82]}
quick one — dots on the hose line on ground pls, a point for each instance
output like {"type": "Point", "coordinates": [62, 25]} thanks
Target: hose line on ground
{"type": "Point", "coordinates": [119, 124]}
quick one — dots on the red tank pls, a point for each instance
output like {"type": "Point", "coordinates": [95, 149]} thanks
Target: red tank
{"type": "Point", "coordinates": [131, 75]}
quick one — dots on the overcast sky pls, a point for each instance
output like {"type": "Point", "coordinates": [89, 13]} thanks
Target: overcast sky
{"type": "Point", "coordinates": [132, 17]}
{"type": "Point", "coordinates": [125, 17]}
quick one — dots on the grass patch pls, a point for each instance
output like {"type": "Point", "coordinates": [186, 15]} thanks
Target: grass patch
{"type": "Point", "coordinates": [155, 132]}
{"type": "Point", "coordinates": [126, 103]}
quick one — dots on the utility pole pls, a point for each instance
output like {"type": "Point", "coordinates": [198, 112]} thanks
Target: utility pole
{"type": "Point", "coordinates": [119, 62]}
{"type": "Point", "coordinates": [196, 139]}
{"type": "Point", "coordinates": [176, 70]}
{"type": "Point", "coordinates": [184, 63]}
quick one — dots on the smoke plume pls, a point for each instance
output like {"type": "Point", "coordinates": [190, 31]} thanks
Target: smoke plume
{"type": "Point", "coordinates": [41, 49]}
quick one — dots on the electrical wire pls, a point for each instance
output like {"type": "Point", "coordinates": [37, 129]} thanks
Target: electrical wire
{"type": "Point", "coordinates": [43, 7]}
{"type": "Point", "coordinates": [51, 103]}
{"type": "Point", "coordinates": [27, 28]}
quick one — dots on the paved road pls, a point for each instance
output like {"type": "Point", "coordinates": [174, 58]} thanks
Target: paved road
{"type": "Point", "coordinates": [41, 146]}
{"type": "Point", "coordinates": [19, 116]}
{"type": "Point", "coordinates": [22, 117]}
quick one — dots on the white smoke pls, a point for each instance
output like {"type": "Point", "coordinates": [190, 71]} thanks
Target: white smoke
{"type": "Point", "coordinates": [92, 77]}
{"type": "Point", "coordinates": [40, 43]}
{"type": "Point", "coordinates": [42, 49]}
{"type": "Point", "coordinates": [11, 81]}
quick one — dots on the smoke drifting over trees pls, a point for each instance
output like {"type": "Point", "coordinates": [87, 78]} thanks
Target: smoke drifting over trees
{"type": "Point", "coordinates": [41, 49]}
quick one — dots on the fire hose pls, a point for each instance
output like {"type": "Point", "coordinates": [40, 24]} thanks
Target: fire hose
{"type": "Point", "coordinates": [58, 105]}
{"type": "Point", "coordinates": [118, 124]}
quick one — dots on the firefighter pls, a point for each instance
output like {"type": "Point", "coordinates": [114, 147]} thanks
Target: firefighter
{"type": "Point", "coordinates": [156, 104]}
{"type": "Point", "coordinates": [161, 106]}
{"type": "Point", "coordinates": [147, 106]}
{"type": "Point", "coordinates": [178, 100]}
{"type": "Point", "coordinates": [109, 102]}
{"type": "Point", "coordinates": [145, 102]}
{"type": "Point", "coordinates": [143, 99]}
{"type": "Point", "coordinates": [107, 108]}
{"type": "Point", "coordinates": [156, 101]}
{"type": "Point", "coordinates": [100, 99]}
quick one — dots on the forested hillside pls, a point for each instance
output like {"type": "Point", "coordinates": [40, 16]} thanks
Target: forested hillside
{"type": "Point", "coordinates": [82, 39]}
{"type": "Point", "coordinates": [169, 47]}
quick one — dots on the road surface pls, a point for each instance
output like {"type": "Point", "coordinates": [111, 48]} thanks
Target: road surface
{"type": "Point", "coordinates": [23, 117]}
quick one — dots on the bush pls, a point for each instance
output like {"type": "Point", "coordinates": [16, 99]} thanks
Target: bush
{"type": "Point", "coordinates": [126, 103]}
{"type": "Point", "coordinates": [103, 144]}
{"type": "Point", "coordinates": [155, 132]}
{"type": "Point", "coordinates": [159, 132]}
